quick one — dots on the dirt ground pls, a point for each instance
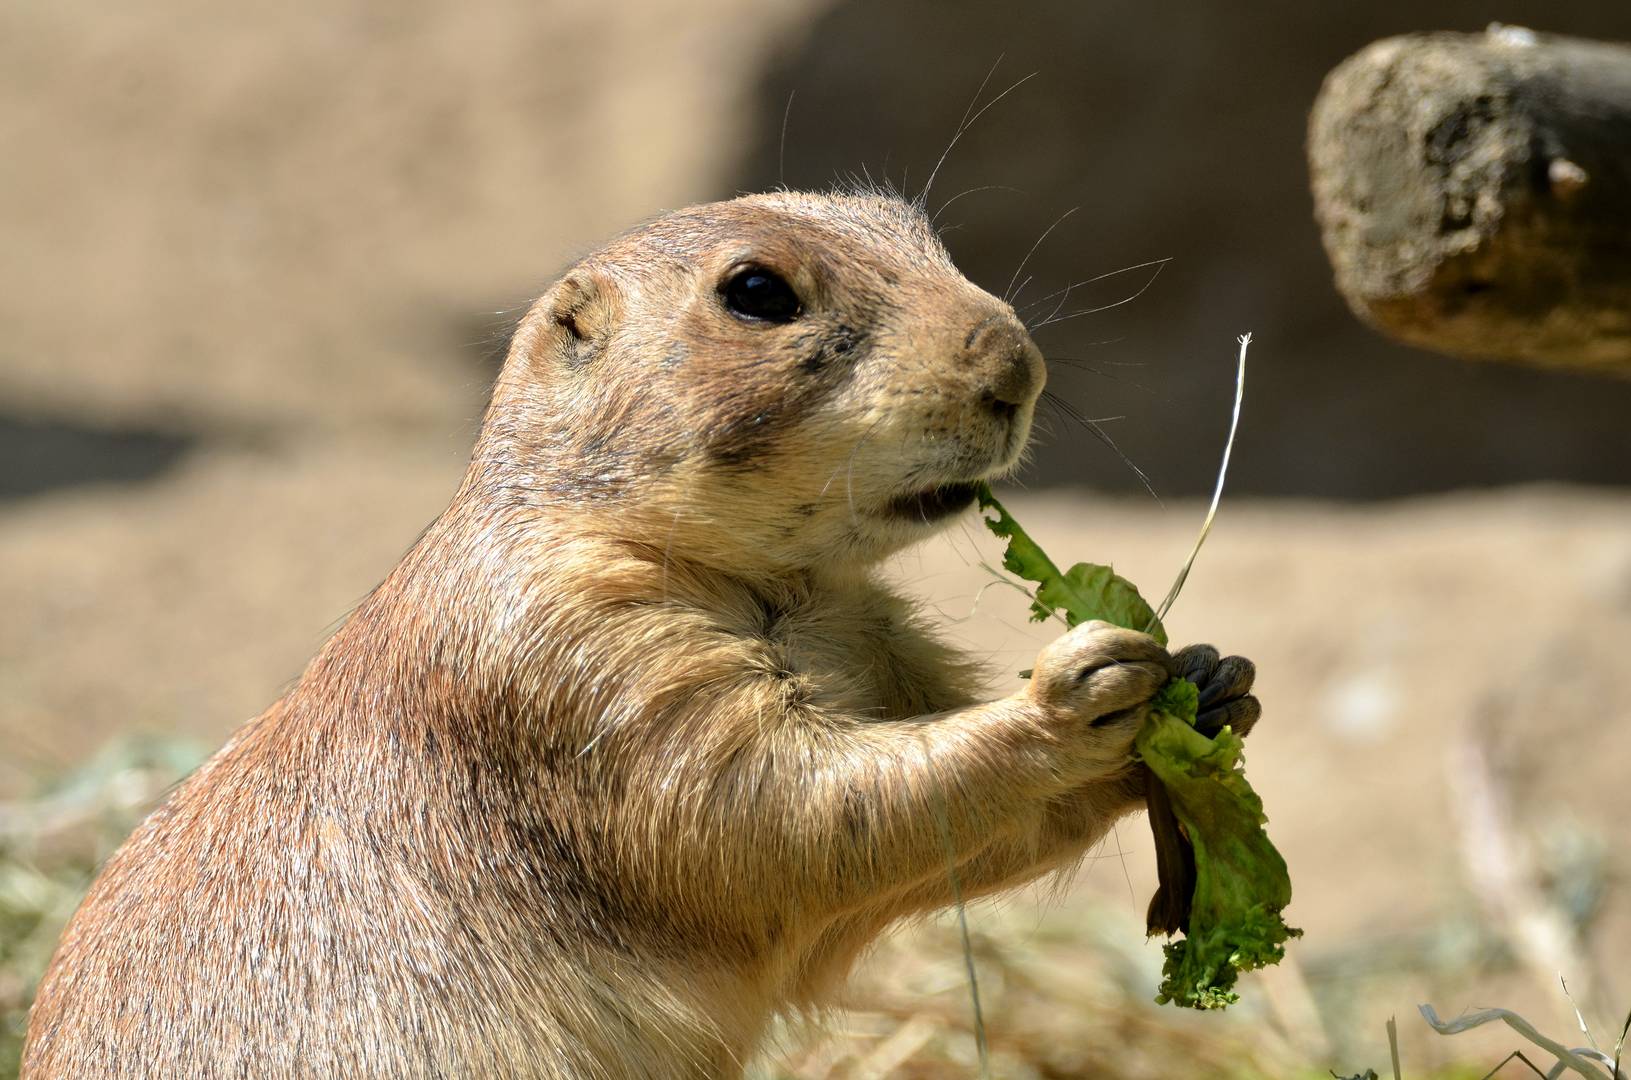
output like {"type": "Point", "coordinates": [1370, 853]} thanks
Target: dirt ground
{"type": "Point", "coordinates": [252, 275]}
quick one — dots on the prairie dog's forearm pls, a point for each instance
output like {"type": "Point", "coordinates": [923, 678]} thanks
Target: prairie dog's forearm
{"type": "Point", "coordinates": [1044, 837]}
{"type": "Point", "coordinates": [1057, 835]}
{"type": "Point", "coordinates": [843, 809]}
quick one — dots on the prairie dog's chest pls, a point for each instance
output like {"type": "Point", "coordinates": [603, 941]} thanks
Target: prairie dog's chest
{"type": "Point", "coordinates": [864, 659]}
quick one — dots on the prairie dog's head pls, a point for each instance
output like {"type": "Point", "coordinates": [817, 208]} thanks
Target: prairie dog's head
{"type": "Point", "coordinates": [781, 381]}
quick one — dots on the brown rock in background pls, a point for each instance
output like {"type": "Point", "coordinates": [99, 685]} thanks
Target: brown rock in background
{"type": "Point", "coordinates": [1474, 194]}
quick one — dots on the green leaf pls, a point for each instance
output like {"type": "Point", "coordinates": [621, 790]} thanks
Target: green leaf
{"type": "Point", "coordinates": [1084, 592]}
{"type": "Point", "coordinates": [1241, 882]}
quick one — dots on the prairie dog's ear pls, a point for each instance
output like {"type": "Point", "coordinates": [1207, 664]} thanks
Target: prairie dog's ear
{"type": "Point", "coordinates": [579, 314]}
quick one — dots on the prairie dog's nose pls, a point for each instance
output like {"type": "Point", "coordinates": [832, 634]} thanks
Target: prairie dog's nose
{"type": "Point", "coordinates": [1009, 360]}
{"type": "Point", "coordinates": [1019, 377]}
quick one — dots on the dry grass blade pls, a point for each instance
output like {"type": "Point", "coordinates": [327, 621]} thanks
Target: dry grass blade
{"type": "Point", "coordinates": [982, 1047]}
{"type": "Point", "coordinates": [1217, 491]}
{"type": "Point", "coordinates": [1619, 1044]}
{"type": "Point", "coordinates": [1582, 1061]}
{"type": "Point", "coordinates": [1580, 1017]}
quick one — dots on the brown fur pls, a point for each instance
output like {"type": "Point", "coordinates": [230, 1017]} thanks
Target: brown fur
{"type": "Point", "coordinates": [632, 750]}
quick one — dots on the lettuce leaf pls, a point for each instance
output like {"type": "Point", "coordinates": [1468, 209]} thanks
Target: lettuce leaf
{"type": "Point", "coordinates": [1086, 591]}
{"type": "Point", "coordinates": [1241, 882]}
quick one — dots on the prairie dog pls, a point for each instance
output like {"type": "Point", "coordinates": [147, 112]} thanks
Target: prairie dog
{"type": "Point", "coordinates": [633, 749]}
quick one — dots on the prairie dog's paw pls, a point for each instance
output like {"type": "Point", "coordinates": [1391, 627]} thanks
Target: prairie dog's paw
{"type": "Point", "coordinates": [1225, 684]}
{"type": "Point", "coordinates": [1095, 683]}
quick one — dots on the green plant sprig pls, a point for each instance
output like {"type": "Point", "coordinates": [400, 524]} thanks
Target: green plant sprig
{"type": "Point", "coordinates": [1230, 908]}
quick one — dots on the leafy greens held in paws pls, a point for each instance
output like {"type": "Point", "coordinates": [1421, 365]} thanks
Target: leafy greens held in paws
{"type": "Point", "coordinates": [1222, 882]}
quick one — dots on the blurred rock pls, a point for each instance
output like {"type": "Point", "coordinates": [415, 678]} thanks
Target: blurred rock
{"type": "Point", "coordinates": [1474, 194]}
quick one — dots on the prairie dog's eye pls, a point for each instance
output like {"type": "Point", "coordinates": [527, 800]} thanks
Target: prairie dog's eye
{"type": "Point", "coordinates": [760, 295]}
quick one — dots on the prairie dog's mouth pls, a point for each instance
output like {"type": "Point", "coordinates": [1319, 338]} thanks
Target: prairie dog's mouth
{"type": "Point", "coordinates": [934, 504]}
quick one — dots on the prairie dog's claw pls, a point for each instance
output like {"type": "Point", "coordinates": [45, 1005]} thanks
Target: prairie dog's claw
{"type": "Point", "coordinates": [1225, 684]}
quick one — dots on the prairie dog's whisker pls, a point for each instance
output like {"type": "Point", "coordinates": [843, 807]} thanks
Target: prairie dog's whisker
{"type": "Point", "coordinates": [1071, 412]}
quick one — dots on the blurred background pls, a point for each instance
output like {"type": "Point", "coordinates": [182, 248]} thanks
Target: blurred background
{"type": "Point", "coordinates": [257, 268]}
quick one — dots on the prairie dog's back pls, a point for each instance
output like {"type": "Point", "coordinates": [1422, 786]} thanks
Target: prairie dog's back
{"type": "Point", "coordinates": [348, 892]}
